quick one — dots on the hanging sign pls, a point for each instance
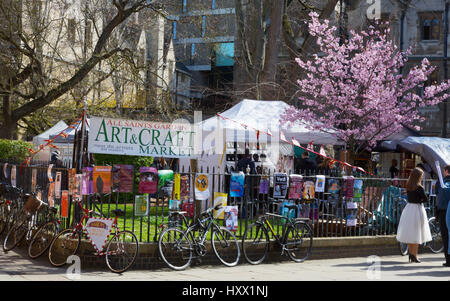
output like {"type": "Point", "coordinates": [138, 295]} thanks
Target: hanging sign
{"type": "Point", "coordinates": [231, 217]}
{"type": "Point", "coordinates": [33, 179]}
{"type": "Point", "coordinates": [140, 138]}
{"type": "Point", "coordinates": [280, 185]}
{"type": "Point", "coordinates": [58, 185]}
{"type": "Point", "coordinates": [97, 230]}
{"type": "Point", "coordinates": [165, 182]}
{"type": "Point", "coordinates": [148, 180]}
{"type": "Point", "coordinates": [220, 198]}
{"type": "Point", "coordinates": [102, 179]}
{"type": "Point", "coordinates": [141, 205]}
{"type": "Point", "coordinates": [308, 190]}
{"type": "Point", "coordinates": [357, 191]}
{"type": "Point", "coordinates": [320, 183]}
{"type": "Point", "coordinates": [122, 178]}
{"type": "Point", "coordinates": [201, 187]}
{"type": "Point", "coordinates": [87, 180]}
{"type": "Point", "coordinates": [65, 204]}
{"type": "Point", "coordinates": [237, 184]}
{"type": "Point", "coordinates": [71, 180]}
{"type": "Point", "coordinates": [13, 176]}
{"type": "Point", "coordinates": [295, 186]}
{"type": "Point", "coordinates": [264, 185]}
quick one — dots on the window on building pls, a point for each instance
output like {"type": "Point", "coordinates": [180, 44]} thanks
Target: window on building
{"type": "Point", "coordinates": [71, 27]}
{"type": "Point", "coordinates": [213, 5]}
{"type": "Point", "coordinates": [174, 29]}
{"type": "Point", "coordinates": [203, 26]}
{"type": "Point", "coordinates": [431, 26]}
{"type": "Point", "coordinates": [184, 6]}
{"type": "Point", "coordinates": [192, 53]}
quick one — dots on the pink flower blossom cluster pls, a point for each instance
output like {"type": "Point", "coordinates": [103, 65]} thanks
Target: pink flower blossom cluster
{"type": "Point", "coordinates": [356, 88]}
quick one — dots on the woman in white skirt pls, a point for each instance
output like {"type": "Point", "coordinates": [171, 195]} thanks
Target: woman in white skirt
{"type": "Point", "coordinates": [413, 227]}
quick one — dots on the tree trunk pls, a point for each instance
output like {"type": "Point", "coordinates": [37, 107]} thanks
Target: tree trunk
{"type": "Point", "coordinates": [9, 125]}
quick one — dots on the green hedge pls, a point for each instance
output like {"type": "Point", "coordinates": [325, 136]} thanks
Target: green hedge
{"type": "Point", "coordinates": [15, 150]}
{"type": "Point", "coordinates": [136, 161]}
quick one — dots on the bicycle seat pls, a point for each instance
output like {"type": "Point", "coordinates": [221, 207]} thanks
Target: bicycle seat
{"type": "Point", "coordinates": [118, 212]}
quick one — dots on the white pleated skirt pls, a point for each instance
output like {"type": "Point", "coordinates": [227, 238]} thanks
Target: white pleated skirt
{"type": "Point", "coordinates": [413, 227]}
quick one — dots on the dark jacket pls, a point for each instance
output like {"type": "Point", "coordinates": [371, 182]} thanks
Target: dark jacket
{"type": "Point", "coordinates": [417, 196]}
{"type": "Point", "coordinates": [243, 163]}
{"type": "Point", "coordinates": [305, 165]}
{"type": "Point", "coordinates": [443, 194]}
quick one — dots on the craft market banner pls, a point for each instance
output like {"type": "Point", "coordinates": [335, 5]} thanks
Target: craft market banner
{"type": "Point", "coordinates": [140, 138]}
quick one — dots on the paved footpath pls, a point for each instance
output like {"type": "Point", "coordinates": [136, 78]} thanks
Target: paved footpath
{"type": "Point", "coordinates": [16, 266]}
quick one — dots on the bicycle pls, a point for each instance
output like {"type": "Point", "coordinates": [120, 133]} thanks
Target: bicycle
{"type": "Point", "coordinates": [296, 238]}
{"type": "Point", "coordinates": [24, 222]}
{"type": "Point", "coordinates": [44, 235]}
{"type": "Point", "coordinates": [435, 245]}
{"type": "Point", "coordinates": [177, 247]}
{"type": "Point", "coordinates": [120, 252]}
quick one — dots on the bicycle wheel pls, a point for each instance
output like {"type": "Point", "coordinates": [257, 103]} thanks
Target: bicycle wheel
{"type": "Point", "coordinates": [41, 240]}
{"type": "Point", "coordinates": [3, 217]}
{"type": "Point", "coordinates": [403, 248]}
{"type": "Point", "coordinates": [299, 239]}
{"type": "Point", "coordinates": [255, 243]}
{"type": "Point", "coordinates": [16, 233]}
{"type": "Point", "coordinates": [121, 251]}
{"type": "Point", "coordinates": [225, 246]}
{"type": "Point", "coordinates": [436, 245]}
{"type": "Point", "coordinates": [65, 244]}
{"type": "Point", "coordinates": [175, 248]}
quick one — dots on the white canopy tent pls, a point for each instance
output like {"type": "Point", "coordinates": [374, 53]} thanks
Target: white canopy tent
{"type": "Point", "coordinates": [263, 115]}
{"type": "Point", "coordinates": [239, 124]}
{"type": "Point", "coordinates": [54, 130]}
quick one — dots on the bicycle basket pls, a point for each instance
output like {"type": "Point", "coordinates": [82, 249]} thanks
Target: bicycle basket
{"type": "Point", "coordinates": [32, 204]}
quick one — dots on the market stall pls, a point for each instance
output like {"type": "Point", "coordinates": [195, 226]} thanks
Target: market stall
{"type": "Point", "coordinates": [246, 125]}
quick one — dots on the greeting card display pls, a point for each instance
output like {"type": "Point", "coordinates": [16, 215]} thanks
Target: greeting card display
{"type": "Point", "coordinates": [201, 187]}
{"type": "Point", "coordinates": [231, 217]}
{"type": "Point", "coordinates": [87, 180]}
{"type": "Point", "coordinates": [237, 184]}
{"type": "Point", "coordinates": [78, 185]}
{"type": "Point", "coordinates": [320, 184]}
{"type": "Point", "coordinates": [308, 190]}
{"type": "Point", "coordinates": [165, 182]}
{"type": "Point", "coordinates": [102, 179]}
{"type": "Point", "coordinates": [295, 186]}
{"type": "Point", "coordinates": [357, 191]}
{"type": "Point", "coordinates": [280, 185]}
{"type": "Point", "coordinates": [264, 185]}
{"type": "Point", "coordinates": [148, 180]}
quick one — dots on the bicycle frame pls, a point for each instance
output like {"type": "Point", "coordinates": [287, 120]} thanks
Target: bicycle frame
{"type": "Point", "coordinates": [80, 228]}
{"type": "Point", "coordinates": [265, 221]}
